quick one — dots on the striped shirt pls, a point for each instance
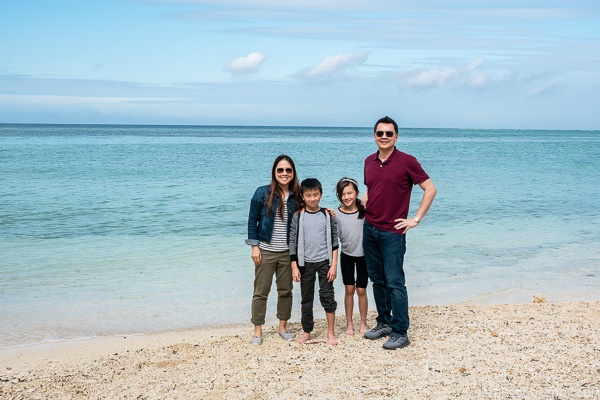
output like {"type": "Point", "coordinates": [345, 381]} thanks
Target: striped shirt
{"type": "Point", "coordinates": [279, 238]}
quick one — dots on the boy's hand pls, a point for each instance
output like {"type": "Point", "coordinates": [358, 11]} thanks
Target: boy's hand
{"type": "Point", "coordinates": [295, 272]}
{"type": "Point", "coordinates": [332, 274]}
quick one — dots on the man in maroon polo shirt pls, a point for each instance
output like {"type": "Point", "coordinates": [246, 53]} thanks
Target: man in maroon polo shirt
{"type": "Point", "coordinates": [389, 176]}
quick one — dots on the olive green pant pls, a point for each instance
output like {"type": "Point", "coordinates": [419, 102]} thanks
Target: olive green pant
{"type": "Point", "coordinates": [278, 264]}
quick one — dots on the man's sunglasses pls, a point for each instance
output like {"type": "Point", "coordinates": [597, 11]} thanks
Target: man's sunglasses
{"type": "Point", "coordinates": [387, 133]}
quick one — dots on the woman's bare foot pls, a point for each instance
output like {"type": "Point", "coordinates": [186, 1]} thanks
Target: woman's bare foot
{"type": "Point", "coordinates": [331, 339]}
{"type": "Point", "coordinates": [304, 338]}
{"type": "Point", "coordinates": [364, 329]}
{"type": "Point", "coordinates": [350, 330]}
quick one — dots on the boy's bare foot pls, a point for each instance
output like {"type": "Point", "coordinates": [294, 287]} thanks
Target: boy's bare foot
{"type": "Point", "coordinates": [350, 330]}
{"type": "Point", "coordinates": [331, 339]}
{"type": "Point", "coordinates": [304, 338]}
{"type": "Point", "coordinates": [364, 329]}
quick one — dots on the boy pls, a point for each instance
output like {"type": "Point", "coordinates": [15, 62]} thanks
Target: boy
{"type": "Point", "coordinates": [314, 251]}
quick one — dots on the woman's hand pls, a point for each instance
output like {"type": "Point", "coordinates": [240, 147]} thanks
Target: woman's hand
{"type": "Point", "coordinates": [256, 256]}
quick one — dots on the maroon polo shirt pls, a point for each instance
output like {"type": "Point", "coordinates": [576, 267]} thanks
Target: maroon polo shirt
{"type": "Point", "coordinates": [389, 185]}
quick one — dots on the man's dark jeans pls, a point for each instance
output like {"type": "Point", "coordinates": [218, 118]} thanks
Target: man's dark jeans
{"type": "Point", "coordinates": [384, 255]}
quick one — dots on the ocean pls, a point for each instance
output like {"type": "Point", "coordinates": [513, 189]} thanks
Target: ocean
{"type": "Point", "coordinates": [110, 230]}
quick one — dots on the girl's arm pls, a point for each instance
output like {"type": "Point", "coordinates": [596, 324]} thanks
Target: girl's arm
{"type": "Point", "coordinates": [332, 273]}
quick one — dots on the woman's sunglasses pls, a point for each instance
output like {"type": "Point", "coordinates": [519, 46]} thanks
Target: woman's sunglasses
{"type": "Point", "coordinates": [287, 170]}
{"type": "Point", "coordinates": [387, 133]}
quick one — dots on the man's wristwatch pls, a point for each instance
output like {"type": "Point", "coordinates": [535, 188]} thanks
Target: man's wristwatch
{"type": "Point", "coordinates": [417, 220]}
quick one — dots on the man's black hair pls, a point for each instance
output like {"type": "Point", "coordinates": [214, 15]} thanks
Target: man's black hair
{"type": "Point", "coordinates": [386, 120]}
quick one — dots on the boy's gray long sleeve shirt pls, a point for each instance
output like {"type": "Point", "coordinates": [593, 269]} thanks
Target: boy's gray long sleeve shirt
{"type": "Point", "coordinates": [297, 239]}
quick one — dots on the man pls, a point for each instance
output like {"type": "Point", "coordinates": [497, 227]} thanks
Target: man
{"type": "Point", "coordinates": [389, 177]}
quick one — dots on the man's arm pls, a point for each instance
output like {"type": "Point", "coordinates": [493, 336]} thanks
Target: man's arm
{"type": "Point", "coordinates": [429, 192]}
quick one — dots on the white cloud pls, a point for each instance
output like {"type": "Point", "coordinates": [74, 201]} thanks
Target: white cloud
{"type": "Point", "coordinates": [456, 76]}
{"type": "Point", "coordinates": [478, 81]}
{"type": "Point", "coordinates": [336, 64]}
{"type": "Point", "coordinates": [544, 89]}
{"type": "Point", "coordinates": [475, 64]}
{"type": "Point", "coordinates": [432, 77]}
{"type": "Point", "coordinates": [247, 64]}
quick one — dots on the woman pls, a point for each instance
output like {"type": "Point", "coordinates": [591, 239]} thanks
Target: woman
{"type": "Point", "coordinates": [271, 211]}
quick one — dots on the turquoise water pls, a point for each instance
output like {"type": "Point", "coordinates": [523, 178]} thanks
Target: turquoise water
{"type": "Point", "coordinates": [130, 229]}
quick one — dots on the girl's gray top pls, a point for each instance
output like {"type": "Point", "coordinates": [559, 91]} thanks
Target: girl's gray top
{"type": "Point", "coordinates": [350, 233]}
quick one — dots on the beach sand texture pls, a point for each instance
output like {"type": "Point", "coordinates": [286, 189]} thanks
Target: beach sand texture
{"type": "Point", "coordinates": [513, 351]}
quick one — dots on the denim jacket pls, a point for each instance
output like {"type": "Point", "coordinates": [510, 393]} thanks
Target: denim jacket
{"type": "Point", "coordinates": [260, 225]}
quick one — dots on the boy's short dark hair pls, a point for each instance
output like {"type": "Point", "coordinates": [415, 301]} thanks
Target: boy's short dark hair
{"type": "Point", "coordinates": [311, 183]}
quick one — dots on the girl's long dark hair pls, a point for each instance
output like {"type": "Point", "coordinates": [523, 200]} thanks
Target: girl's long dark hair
{"type": "Point", "coordinates": [339, 190]}
{"type": "Point", "coordinates": [275, 189]}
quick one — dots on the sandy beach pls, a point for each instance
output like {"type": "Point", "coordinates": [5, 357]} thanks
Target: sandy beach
{"type": "Point", "coordinates": [522, 351]}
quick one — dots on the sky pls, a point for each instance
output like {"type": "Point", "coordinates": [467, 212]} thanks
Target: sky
{"type": "Point", "coordinates": [484, 64]}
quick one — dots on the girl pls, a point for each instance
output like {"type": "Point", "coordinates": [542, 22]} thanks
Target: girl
{"type": "Point", "coordinates": [271, 210]}
{"type": "Point", "coordinates": [350, 232]}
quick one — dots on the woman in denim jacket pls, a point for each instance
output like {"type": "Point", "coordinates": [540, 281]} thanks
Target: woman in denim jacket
{"type": "Point", "coordinates": [271, 211]}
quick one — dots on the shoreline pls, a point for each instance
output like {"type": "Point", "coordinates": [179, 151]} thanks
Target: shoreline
{"type": "Point", "coordinates": [531, 350]}
{"type": "Point", "coordinates": [69, 351]}
{"type": "Point", "coordinates": [419, 298]}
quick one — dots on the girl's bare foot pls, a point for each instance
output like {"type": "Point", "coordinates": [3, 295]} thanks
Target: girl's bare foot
{"type": "Point", "coordinates": [331, 339]}
{"type": "Point", "coordinates": [304, 338]}
{"type": "Point", "coordinates": [350, 330]}
{"type": "Point", "coordinates": [364, 329]}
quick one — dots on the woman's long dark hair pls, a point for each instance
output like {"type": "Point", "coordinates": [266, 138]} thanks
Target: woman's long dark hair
{"type": "Point", "coordinates": [339, 190]}
{"type": "Point", "coordinates": [275, 189]}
